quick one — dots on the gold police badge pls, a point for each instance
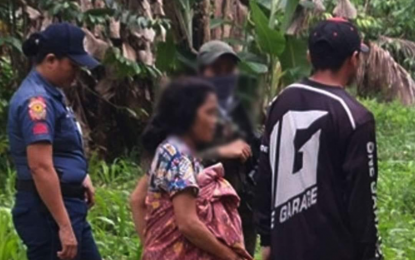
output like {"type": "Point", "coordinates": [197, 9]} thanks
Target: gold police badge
{"type": "Point", "coordinates": [37, 108]}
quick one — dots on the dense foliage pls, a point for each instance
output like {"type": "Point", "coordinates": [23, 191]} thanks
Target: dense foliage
{"type": "Point", "coordinates": [120, 104]}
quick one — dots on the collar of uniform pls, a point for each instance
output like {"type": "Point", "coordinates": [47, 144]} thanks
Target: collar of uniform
{"type": "Point", "coordinates": [54, 91]}
{"type": "Point", "coordinates": [312, 83]}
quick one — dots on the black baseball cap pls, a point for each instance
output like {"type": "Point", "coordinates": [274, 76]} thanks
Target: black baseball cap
{"type": "Point", "coordinates": [67, 40]}
{"type": "Point", "coordinates": [336, 37]}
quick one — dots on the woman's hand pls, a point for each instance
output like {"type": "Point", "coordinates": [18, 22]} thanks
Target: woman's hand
{"type": "Point", "coordinates": [68, 242]}
{"type": "Point", "coordinates": [138, 206]}
{"type": "Point", "coordinates": [266, 253]}
{"type": "Point", "coordinates": [89, 191]}
{"type": "Point", "coordinates": [237, 149]}
{"type": "Point", "coordinates": [232, 255]}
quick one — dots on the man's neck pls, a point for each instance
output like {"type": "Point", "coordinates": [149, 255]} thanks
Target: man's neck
{"type": "Point", "coordinates": [329, 78]}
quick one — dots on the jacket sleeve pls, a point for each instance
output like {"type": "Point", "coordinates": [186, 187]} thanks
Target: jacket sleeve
{"type": "Point", "coordinates": [264, 193]}
{"type": "Point", "coordinates": [360, 166]}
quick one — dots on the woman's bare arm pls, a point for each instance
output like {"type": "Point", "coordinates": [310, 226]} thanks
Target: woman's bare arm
{"type": "Point", "coordinates": [39, 158]}
{"type": "Point", "coordinates": [138, 206]}
{"type": "Point", "coordinates": [194, 230]}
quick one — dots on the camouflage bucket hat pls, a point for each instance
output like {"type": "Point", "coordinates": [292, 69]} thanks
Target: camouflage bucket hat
{"type": "Point", "coordinates": [212, 50]}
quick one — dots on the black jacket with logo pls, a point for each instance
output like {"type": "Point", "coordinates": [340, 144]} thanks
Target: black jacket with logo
{"type": "Point", "coordinates": [316, 187]}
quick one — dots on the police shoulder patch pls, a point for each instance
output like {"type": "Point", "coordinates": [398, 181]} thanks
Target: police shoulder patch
{"type": "Point", "coordinates": [40, 128]}
{"type": "Point", "coordinates": [37, 108]}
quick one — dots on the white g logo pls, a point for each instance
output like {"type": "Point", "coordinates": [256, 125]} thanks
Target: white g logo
{"type": "Point", "coordinates": [291, 181]}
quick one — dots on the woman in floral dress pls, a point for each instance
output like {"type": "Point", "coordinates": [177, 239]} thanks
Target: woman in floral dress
{"type": "Point", "coordinates": [171, 229]}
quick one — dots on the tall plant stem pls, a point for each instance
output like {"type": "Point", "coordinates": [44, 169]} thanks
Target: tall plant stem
{"type": "Point", "coordinates": [274, 5]}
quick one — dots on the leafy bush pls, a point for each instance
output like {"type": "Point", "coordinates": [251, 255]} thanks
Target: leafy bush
{"type": "Point", "coordinates": [396, 194]}
{"type": "Point", "coordinates": [10, 245]}
{"type": "Point", "coordinates": [6, 76]}
{"type": "Point", "coordinates": [111, 217]}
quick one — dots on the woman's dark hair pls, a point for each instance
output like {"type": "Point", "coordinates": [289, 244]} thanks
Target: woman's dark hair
{"type": "Point", "coordinates": [176, 111]}
{"type": "Point", "coordinates": [36, 47]}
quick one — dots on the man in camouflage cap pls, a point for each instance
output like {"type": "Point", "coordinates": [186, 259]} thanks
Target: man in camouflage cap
{"type": "Point", "coordinates": [236, 146]}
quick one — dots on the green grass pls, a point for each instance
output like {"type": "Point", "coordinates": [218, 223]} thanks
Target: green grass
{"type": "Point", "coordinates": [111, 218]}
{"type": "Point", "coordinates": [396, 188]}
{"type": "Point", "coordinates": [10, 245]}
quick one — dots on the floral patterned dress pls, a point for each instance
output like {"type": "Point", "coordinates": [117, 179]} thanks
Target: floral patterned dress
{"type": "Point", "coordinates": [174, 169]}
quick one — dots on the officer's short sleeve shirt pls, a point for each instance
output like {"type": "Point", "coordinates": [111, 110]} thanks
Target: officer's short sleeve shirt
{"type": "Point", "coordinates": [38, 113]}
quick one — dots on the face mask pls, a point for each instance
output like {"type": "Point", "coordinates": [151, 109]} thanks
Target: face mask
{"type": "Point", "coordinates": [225, 87]}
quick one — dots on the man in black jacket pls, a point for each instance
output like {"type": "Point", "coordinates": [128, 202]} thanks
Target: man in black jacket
{"type": "Point", "coordinates": [316, 190]}
{"type": "Point", "coordinates": [236, 145]}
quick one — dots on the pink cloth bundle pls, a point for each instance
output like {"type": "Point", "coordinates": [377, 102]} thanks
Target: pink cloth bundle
{"type": "Point", "coordinates": [217, 205]}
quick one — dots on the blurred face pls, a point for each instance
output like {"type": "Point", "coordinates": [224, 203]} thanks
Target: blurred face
{"type": "Point", "coordinates": [204, 126]}
{"type": "Point", "coordinates": [61, 72]}
{"type": "Point", "coordinates": [223, 66]}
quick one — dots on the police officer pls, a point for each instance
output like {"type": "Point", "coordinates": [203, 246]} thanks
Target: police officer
{"type": "Point", "coordinates": [53, 188]}
{"type": "Point", "coordinates": [236, 145]}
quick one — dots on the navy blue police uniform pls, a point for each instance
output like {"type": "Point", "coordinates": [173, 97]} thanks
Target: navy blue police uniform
{"type": "Point", "coordinates": [38, 113]}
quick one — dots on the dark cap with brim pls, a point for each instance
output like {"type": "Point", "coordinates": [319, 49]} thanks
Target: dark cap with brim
{"type": "Point", "coordinates": [67, 40]}
{"type": "Point", "coordinates": [213, 50]}
{"type": "Point", "coordinates": [364, 48]}
{"type": "Point", "coordinates": [84, 60]}
{"type": "Point", "coordinates": [341, 35]}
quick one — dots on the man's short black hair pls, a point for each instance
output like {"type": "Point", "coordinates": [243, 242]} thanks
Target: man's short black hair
{"type": "Point", "coordinates": [323, 57]}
